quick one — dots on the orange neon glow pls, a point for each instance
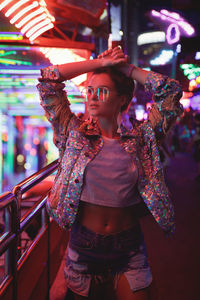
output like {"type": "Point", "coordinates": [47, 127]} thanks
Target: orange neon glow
{"type": "Point", "coordinates": [27, 147]}
{"type": "Point", "coordinates": [29, 17]}
{"type": "Point", "coordinates": [23, 12]}
{"type": "Point", "coordinates": [58, 56]}
{"type": "Point", "coordinates": [4, 137]}
{"type": "Point", "coordinates": [198, 79]}
{"type": "Point", "coordinates": [15, 6]}
{"type": "Point", "coordinates": [36, 141]}
{"type": "Point", "coordinates": [4, 3]}
{"type": "Point", "coordinates": [185, 102]}
{"type": "Point", "coordinates": [32, 17]}
{"type": "Point", "coordinates": [39, 32]}
{"type": "Point", "coordinates": [37, 27]}
{"type": "Point", "coordinates": [33, 152]}
{"type": "Point", "coordinates": [32, 23]}
{"type": "Point", "coordinates": [192, 85]}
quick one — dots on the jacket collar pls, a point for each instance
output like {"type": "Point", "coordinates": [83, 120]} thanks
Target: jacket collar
{"type": "Point", "coordinates": [91, 128]}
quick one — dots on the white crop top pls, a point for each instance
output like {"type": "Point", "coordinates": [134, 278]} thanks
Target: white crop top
{"type": "Point", "coordinates": [110, 178]}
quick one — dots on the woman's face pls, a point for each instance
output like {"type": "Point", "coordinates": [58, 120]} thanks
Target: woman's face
{"type": "Point", "coordinates": [112, 100]}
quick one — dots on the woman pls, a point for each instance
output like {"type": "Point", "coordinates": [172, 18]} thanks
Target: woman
{"type": "Point", "coordinates": [105, 171]}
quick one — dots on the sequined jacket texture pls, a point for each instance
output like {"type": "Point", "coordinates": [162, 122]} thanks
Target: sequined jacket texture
{"type": "Point", "coordinates": [80, 141]}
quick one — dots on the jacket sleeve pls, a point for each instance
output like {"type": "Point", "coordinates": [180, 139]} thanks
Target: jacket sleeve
{"type": "Point", "coordinates": [166, 107]}
{"type": "Point", "coordinates": [55, 103]}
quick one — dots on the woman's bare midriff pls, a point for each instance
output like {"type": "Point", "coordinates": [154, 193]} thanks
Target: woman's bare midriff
{"type": "Point", "coordinates": [106, 220]}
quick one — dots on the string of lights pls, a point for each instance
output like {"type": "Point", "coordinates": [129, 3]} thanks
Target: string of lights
{"type": "Point", "coordinates": [31, 17]}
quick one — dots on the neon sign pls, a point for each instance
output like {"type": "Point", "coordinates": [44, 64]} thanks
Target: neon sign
{"type": "Point", "coordinates": [177, 23]}
{"type": "Point", "coordinates": [173, 34]}
{"type": "Point", "coordinates": [151, 37]}
{"type": "Point", "coordinates": [190, 70]}
{"type": "Point", "coordinates": [58, 56]}
{"type": "Point", "coordinates": [163, 58]}
{"type": "Point", "coordinates": [11, 36]}
{"type": "Point", "coordinates": [9, 61]}
{"type": "Point", "coordinates": [31, 17]}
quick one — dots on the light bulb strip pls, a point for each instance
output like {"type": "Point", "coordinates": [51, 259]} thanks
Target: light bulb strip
{"type": "Point", "coordinates": [15, 7]}
{"type": "Point", "coordinates": [39, 32]}
{"type": "Point", "coordinates": [23, 12]}
{"type": "Point", "coordinates": [33, 22]}
{"type": "Point", "coordinates": [4, 3]}
{"type": "Point", "coordinates": [29, 17]}
{"type": "Point", "coordinates": [37, 27]}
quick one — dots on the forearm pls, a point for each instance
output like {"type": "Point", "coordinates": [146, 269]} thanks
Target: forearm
{"type": "Point", "coordinates": [138, 74]}
{"type": "Point", "coordinates": [70, 70]}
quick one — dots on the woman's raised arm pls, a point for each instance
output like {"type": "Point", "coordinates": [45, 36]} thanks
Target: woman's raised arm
{"type": "Point", "coordinates": [70, 70]}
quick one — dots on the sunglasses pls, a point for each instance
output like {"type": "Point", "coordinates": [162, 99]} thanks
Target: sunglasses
{"type": "Point", "coordinates": [101, 92]}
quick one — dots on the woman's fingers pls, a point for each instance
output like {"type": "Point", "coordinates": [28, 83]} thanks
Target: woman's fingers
{"type": "Point", "coordinates": [105, 53]}
{"type": "Point", "coordinates": [113, 52]}
{"type": "Point", "coordinates": [113, 57]}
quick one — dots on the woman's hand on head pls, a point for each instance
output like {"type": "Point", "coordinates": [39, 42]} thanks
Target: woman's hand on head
{"type": "Point", "coordinates": [113, 57]}
{"type": "Point", "coordinates": [117, 57]}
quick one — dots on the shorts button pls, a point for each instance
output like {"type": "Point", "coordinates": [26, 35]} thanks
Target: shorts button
{"type": "Point", "coordinates": [76, 180]}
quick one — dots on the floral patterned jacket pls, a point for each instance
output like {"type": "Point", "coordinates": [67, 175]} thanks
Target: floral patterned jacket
{"type": "Point", "coordinates": [80, 141]}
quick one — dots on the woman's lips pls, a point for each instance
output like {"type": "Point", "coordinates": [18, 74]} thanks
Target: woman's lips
{"type": "Point", "coordinates": [93, 106]}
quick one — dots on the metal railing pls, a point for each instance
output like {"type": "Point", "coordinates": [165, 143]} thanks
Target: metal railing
{"type": "Point", "coordinates": [14, 225]}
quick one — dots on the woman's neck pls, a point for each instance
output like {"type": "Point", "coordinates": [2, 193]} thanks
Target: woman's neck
{"type": "Point", "coordinates": [108, 127]}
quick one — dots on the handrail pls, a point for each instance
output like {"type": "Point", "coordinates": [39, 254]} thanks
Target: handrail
{"type": "Point", "coordinates": [32, 213]}
{"type": "Point", "coordinates": [10, 238]}
{"type": "Point", "coordinates": [6, 199]}
{"type": "Point", "coordinates": [14, 225]}
{"type": "Point", "coordinates": [37, 177]}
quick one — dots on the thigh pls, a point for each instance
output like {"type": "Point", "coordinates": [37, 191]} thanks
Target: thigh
{"type": "Point", "coordinates": [99, 291]}
{"type": "Point", "coordinates": [124, 291]}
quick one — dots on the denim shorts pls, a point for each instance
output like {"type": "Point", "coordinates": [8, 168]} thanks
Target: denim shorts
{"type": "Point", "coordinates": [92, 256]}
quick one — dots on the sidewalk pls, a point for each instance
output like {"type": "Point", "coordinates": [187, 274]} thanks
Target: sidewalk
{"type": "Point", "coordinates": [175, 261]}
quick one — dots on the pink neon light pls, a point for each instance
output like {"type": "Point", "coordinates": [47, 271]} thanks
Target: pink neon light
{"type": "Point", "coordinates": [4, 3]}
{"type": "Point", "coordinates": [171, 14]}
{"type": "Point", "coordinates": [23, 12]}
{"type": "Point", "coordinates": [174, 18]}
{"type": "Point", "coordinates": [29, 17]}
{"type": "Point", "coordinates": [39, 32]}
{"type": "Point", "coordinates": [33, 22]}
{"type": "Point", "coordinates": [37, 27]}
{"type": "Point", "coordinates": [15, 6]}
{"type": "Point", "coordinates": [187, 27]}
{"type": "Point", "coordinates": [170, 39]}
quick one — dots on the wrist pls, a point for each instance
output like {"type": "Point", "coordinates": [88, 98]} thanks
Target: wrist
{"type": "Point", "coordinates": [103, 62]}
{"type": "Point", "coordinates": [130, 69]}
